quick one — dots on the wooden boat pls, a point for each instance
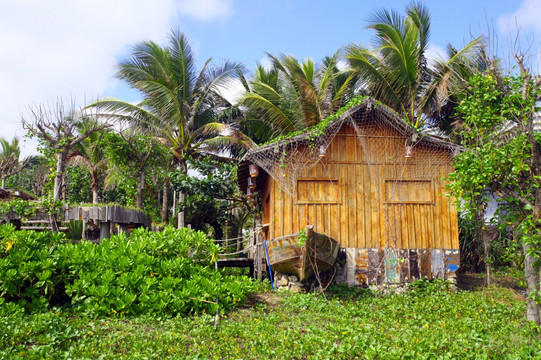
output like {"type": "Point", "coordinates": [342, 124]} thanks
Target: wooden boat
{"type": "Point", "coordinates": [286, 256]}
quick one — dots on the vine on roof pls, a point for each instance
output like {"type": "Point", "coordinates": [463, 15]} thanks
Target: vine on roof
{"type": "Point", "coordinates": [319, 129]}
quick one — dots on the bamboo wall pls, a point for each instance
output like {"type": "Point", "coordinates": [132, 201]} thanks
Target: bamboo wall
{"type": "Point", "coordinates": [365, 200]}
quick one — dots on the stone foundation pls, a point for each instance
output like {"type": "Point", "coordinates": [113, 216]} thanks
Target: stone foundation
{"type": "Point", "coordinates": [284, 282]}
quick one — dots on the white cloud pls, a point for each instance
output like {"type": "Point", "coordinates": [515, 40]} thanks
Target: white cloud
{"type": "Point", "coordinates": [435, 53]}
{"type": "Point", "coordinates": [206, 9]}
{"type": "Point", "coordinates": [65, 48]}
{"type": "Point", "coordinates": [526, 17]}
{"type": "Point", "coordinates": [525, 23]}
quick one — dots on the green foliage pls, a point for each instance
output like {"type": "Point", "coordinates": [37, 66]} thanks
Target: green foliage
{"type": "Point", "coordinates": [34, 336]}
{"type": "Point", "coordinates": [75, 230]}
{"type": "Point", "coordinates": [350, 324]}
{"type": "Point", "coordinates": [292, 96]}
{"type": "Point", "coordinates": [471, 247]}
{"type": "Point", "coordinates": [424, 287]}
{"type": "Point", "coordinates": [18, 206]}
{"type": "Point", "coordinates": [33, 177]}
{"type": "Point", "coordinates": [395, 71]}
{"type": "Point", "coordinates": [319, 129]}
{"type": "Point", "coordinates": [211, 195]}
{"type": "Point", "coordinates": [502, 155]}
{"type": "Point", "coordinates": [132, 158]}
{"type": "Point", "coordinates": [164, 273]}
{"type": "Point", "coordinates": [30, 272]}
{"type": "Point", "coordinates": [181, 104]}
{"type": "Point", "coordinates": [78, 185]}
{"type": "Point", "coordinates": [301, 239]}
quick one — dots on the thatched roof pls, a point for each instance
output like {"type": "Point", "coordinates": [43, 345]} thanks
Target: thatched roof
{"type": "Point", "coordinates": [388, 116]}
{"type": "Point", "coordinates": [369, 108]}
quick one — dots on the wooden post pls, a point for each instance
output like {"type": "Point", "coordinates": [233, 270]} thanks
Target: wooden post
{"type": "Point", "coordinates": [259, 257]}
{"type": "Point", "coordinates": [105, 230]}
{"type": "Point", "coordinates": [258, 243]}
{"type": "Point", "coordinates": [83, 235]}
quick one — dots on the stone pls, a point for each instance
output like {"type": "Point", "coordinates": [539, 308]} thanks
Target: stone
{"type": "Point", "coordinates": [293, 278]}
{"type": "Point", "coordinates": [283, 282]}
{"type": "Point", "coordinates": [296, 289]}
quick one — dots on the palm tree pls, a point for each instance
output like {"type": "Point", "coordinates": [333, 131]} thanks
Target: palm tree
{"type": "Point", "coordinates": [89, 153]}
{"type": "Point", "coordinates": [396, 72]}
{"type": "Point", "coordinates": [180, 103]}
{"type": "Point", "coordinates": [294, 96]}
{"type": "Point", "coordinates": [9, 159]}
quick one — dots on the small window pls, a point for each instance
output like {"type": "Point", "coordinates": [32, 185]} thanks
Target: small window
{"type": "Point", "coordinates": [409, 192]}
{"type": "Point", "coordinates": [318, 191]}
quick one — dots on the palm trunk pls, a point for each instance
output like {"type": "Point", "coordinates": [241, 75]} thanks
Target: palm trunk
{"type": "Point", "coordinates": [182, 196]}
{"type": "Point", "coordinates": [165, 201]}
{"type": "Point", "coordinates": [94, 187]}
{"type": "Point", "coordinates": [95, 198]}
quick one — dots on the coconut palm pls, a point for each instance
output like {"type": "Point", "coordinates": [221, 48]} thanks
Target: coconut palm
{"type": "Point", "coordinates": [180, 104]}
{"type": "Point", "coordinates": [292, 96]}
{"type": "Point", "coordinates": [396, 72]}
{"type": "Point", "coordinates": [89, 153]}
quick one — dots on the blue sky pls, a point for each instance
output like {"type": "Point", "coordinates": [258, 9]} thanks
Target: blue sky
{"type": "Point", "coordinates": [63, 48]}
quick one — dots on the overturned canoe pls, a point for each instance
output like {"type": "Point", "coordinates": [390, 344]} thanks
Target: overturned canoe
{"type": "Point", "coordinates": [288, 257]}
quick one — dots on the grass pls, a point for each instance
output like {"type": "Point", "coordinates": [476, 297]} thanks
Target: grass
{"type": "Point", "coordinates": [427, 323]}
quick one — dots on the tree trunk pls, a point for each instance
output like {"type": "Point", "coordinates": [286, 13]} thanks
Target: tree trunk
{"type": "Point", "coordinates": [489, 234]}
{"type": "Point", "coordinates": [140, 188]}
{"type": "Point", "coordinates": [60, 164]}
{"type": "Point", "coordinates": [182, 196]}
{"type": "Point", "coordinates": [64, 188]}
{"type": "Point", "coordinates": [95, 198]}
{"type": "Point", "coordinates": [487, 258]}
{"type": "Point", "coordinates": [532, 280]}
{"type": "Point", "coordinates": [3, 183]}
{"type": "Point", "coordinates": [481, 232]}
{"type": "Point", "coordinates": [94, 187]}
{"type": "Point", "coordinates": [165, 201]}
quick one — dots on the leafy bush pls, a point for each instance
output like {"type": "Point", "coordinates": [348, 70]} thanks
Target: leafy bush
{"type": "Point", "coordinates": [169, 272]}
{"type": "Point", "coordinates": [18, 206]}
{"type": "Point", "coordinates": [29, 271]}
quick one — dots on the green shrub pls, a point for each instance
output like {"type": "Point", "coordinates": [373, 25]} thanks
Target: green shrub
{"type": "Point", "coordinates": [169, 272]}
{"type": "Point", "coordinates": [29, 272]}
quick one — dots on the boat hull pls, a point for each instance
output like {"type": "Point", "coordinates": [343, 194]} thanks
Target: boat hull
{"type": "Point", "coordinates": [287, 256]}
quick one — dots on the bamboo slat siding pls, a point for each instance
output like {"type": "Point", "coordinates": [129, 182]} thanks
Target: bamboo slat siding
{"type": "Point", "coordinates": [366, 201]}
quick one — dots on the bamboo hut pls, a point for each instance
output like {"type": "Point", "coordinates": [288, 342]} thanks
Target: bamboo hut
{"type": "Point", "coordinates": [367, 179]}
